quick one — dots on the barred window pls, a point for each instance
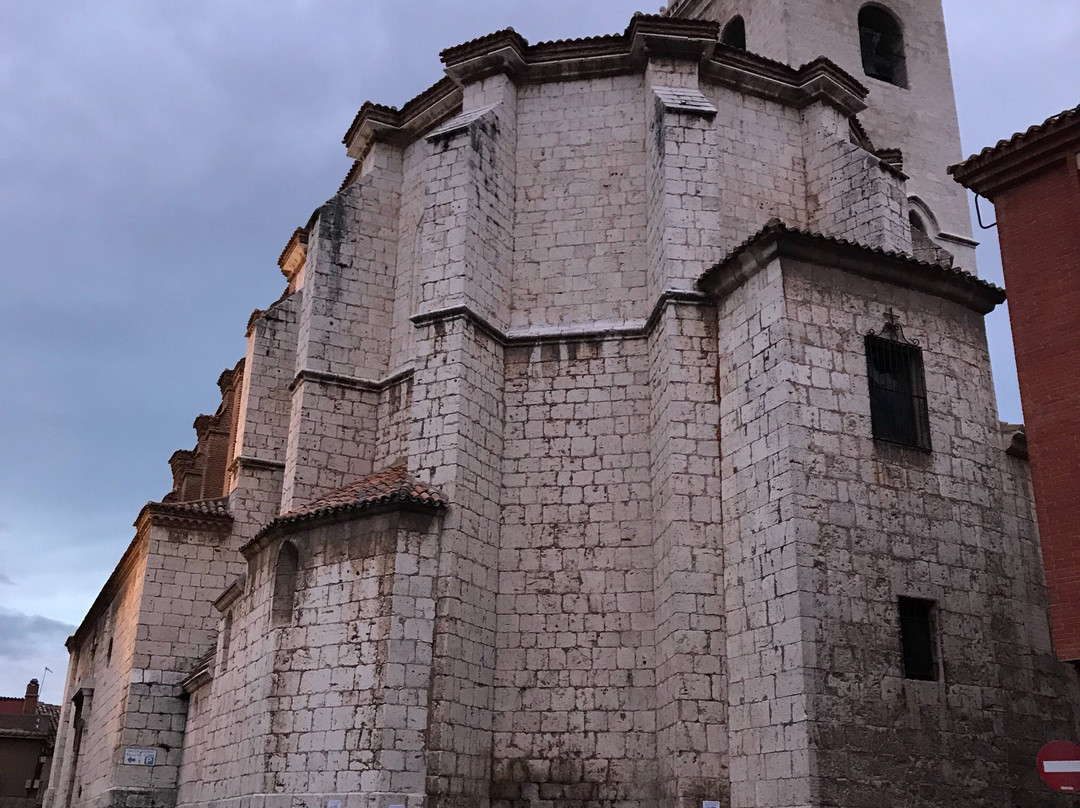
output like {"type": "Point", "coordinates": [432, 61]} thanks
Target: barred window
{"type": "Point", "coordinates": [897, 393]}
{"type": "Point", "coordinates": [917, 639]}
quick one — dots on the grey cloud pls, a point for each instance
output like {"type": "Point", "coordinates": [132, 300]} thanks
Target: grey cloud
{"type": "Point", "coordinates": [28, 645]}
{"type": "Point", "coordinates": [22, 636]}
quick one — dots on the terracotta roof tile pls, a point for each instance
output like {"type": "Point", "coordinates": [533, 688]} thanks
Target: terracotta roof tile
{"type": "Point", "coordinates": [1013, 143]}
{"type": "Point", "coordinates": [389, 486]}
{"type": "Point", "coordinates": [202, 507]}
{"type": "Point", "coordinates": [53, 713]}
{"type": "Point", "coordinates": [465, 48]}
{"type": "Point", "coordinates": [776, 227]}
{"type": "Point", "coordinates": [557, 60]}
{"type": "Point", "coordinates": [205, 514]}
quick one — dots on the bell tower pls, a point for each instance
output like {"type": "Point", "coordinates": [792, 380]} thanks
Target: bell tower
{"type": "Point", "coordinates": [899, 51]}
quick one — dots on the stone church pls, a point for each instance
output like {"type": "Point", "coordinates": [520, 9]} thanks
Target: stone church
{"type": "Point", "coordinates": [625, 437]}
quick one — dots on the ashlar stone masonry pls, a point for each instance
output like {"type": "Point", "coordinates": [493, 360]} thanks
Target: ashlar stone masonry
{"type": "Point", "coordinates": [556, 476]}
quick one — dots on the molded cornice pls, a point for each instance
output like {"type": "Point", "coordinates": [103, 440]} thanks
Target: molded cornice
{"type": "Point", "coordinates": [647, 37]}
{"type": "Point", "coordinates": [777, 240]}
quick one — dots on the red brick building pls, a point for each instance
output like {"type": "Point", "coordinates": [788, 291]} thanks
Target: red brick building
{"type": "Point", "coordinates": [27, 734]}
{"type": "Point", "coordinates": [1033, 179]}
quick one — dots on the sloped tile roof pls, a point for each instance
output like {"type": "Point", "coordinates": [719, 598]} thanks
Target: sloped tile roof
{"type": "Point", "coordinates": [204, 514]}
{"type": "Point", "coordinates": [681, 99]}
{"type": "Point", "coordinates": [203, 507]}
{"type": "Point", "coordinates": [52, 711]}
{"type": "Point", "coordinates": [390, 486]}
{"type": "Point", "coordinates": [1020, 139]}
{"type": "Point", "coordinates": [965, 284]}
{"type": "Point", "coordinates": [207, 508]}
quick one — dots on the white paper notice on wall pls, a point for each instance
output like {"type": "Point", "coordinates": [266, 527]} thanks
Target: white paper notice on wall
{"type": "Point", "coordinates": [710, 804]}
{"type": "Point", "coordinates": [140, 757]}
{"type": "Point", "coordinates": [397, 806]}
{"type": "Point", "coordinates": [333, 804]}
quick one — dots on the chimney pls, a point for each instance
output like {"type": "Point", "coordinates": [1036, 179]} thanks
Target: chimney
{"type": "Point", "coordinates": [30, 701]}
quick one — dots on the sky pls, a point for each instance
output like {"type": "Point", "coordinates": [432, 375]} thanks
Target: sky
{"type": "Point", "coordinates": [155, 157]}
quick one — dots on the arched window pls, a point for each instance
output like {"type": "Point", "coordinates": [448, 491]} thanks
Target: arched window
{"type": "Point", "coordinates": [734, 34]}
{"type": "Point", "coordinates": [882, 43]}
{"type": "Point", "coordinates": [288, 561]}
{"type": "Point", "coordinates": [916, 222]}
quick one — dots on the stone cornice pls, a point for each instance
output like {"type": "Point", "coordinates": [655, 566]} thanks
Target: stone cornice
{"type": "Point", "coordinates": [202, 674]}
{"type": "Point", "coordinates": [286, 527]}
{"type": "Point", "coordinates": [777, 240]}
{"type": "Point", "coordinates": [258, 314]}
{"type": "Point", "coordinates": [211, 516]}
{"type": "Point", "coordinates": [351, 382]}
{"type": "Point", "coordinates": [375, 122]}
{"type": "Point", "coordinates": [231, 594]}
{"type": "Point", "coordinates": [632, 329]}
{"type": "Point", "coordinates": [818, 81]}
{"type": "Point", "coordinates": [499, 52]}
{"type": "Point", "coordinates": [647, 36]}
{"type": "Point", "coordinates": [199, 678]}
{"type": "Point", "coordinates": [248, 462]}
{"type": "Point", "coordinates": [295, 253]}
{"type": "Point", "coordinates": [386, 491]}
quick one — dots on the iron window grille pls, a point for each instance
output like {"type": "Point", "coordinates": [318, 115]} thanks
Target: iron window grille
{"type": "Point", "coordinates": [917, 639]}
{"type": "Point", "coordinates": [898, 408]}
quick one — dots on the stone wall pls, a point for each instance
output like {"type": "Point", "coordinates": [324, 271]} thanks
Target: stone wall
{"type": "Point", "coordinates": [919, 119]}
{"type": "Point", "coordinates": [185, 570]}
{"type": "Point", "coordinates": [841, 528]}
{"type": "Point", "coordinates": [86, 776]}
{"type": "Point", "coordinates": [890, 522]}
{"type": "Point", "coordinates": [668, 564]}
{"type": "Point", "coordinates": [340, 697]}
{"type": "Point", "coordinates": [574, 682]}
{"type": "Point", "coordinates": [579, 240]}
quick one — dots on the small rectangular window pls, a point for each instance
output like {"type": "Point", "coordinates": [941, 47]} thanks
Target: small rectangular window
{"type": "Point", "coordinates": [898, 408]}
{"type": "Point", "coordinates": [917, 639]}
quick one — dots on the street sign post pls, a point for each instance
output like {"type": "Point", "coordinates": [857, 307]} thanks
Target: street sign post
{"type": "Point", "coordinates": [1059, 766]}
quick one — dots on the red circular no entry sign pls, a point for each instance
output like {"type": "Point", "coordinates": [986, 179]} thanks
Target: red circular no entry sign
{"type": "Point", "coordinates": [1059, 766]}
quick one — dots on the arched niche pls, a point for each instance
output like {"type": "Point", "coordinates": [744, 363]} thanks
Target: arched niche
{"type": "Point", "coordinates": [285, 569]}
{"type": "Point", "coordinates": [734, 33]}
{"type": "Point", "coordinates": [881, 38]}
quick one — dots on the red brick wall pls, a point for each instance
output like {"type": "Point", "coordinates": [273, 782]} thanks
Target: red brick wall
{"type": "Point", "coordinates": [1039, 223]}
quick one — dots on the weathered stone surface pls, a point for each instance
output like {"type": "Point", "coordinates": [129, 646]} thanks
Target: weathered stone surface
{"type": "Point", "coordinates": [665, 559]}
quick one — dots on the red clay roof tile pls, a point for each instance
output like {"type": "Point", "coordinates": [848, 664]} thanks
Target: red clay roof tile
{"type": "Point", "coordinates": [392, 485]}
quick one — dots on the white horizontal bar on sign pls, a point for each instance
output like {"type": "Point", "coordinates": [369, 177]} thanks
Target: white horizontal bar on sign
{"type": "Point", "coordinates": [1061, 766]}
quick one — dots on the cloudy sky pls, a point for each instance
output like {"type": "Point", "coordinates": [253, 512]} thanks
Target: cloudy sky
{"type": "Point", "coordinates": [154, 158]}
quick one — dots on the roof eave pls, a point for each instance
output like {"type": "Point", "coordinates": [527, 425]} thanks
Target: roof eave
{"type": "Point", "coordinates": [779, 241]}
{"type": "Point", "coordinates": [285, 526]}
{"type": "Point", "coordinates": [646, 36]}
{"type": "Point", "coordinates": [158, 514]}
{"type": "Point", "coordinates": [998, 167]}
